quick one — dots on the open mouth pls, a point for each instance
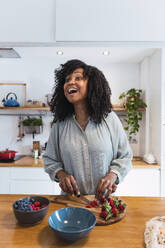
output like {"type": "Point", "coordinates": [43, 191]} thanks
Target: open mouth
{"type": "Point", "coordinates": [72, 90]}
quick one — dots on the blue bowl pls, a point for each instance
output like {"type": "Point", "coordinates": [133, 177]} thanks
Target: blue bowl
{"type": "Point", "coordinates": [72, 223]}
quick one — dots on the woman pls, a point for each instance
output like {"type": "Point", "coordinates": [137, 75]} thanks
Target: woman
{"type": "Point", "coordinates": [87, 151]}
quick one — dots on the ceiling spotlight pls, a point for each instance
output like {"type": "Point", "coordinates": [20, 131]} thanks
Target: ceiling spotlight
{"type": "Point", "coordinates": [59, 52]}
{"type": "Point", "coordinates": [106, 53]}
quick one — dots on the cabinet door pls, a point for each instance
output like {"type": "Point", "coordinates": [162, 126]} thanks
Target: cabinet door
{"type": "Point", "coordinates": [163, 111]}
{"type": "Point", "coordinates": [140, 182]}
{"type": "Point", "coordinates": [31, 181]}
{"type": "Point", "coordinates": [4, 180]}
{"type": "Point", "coordinates": [27, 21]}
{"type": "Point", "coordinates": [109, 20]}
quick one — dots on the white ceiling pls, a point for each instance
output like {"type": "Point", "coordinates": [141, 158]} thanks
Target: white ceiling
{"type": "Point", "coordinates": [117, 55]}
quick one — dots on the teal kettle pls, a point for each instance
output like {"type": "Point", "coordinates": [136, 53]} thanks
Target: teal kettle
{"type": "Point", "coordinates": [11, 100]}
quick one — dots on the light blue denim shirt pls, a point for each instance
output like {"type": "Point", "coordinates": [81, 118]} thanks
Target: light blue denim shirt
{"type": "Point", "coordinates": [88, 155]}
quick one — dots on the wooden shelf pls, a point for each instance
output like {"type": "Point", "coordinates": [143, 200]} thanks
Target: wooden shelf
{"type": "Point", "coordinates": [48, 109]}
{"type": "Point", "coordinates": [124, 109]}
{"type": "Point", "coordinates": [25, 108]}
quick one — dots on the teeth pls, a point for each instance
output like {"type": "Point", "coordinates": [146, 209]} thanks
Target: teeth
{"type": "Point", "coordinates": [72, 90]}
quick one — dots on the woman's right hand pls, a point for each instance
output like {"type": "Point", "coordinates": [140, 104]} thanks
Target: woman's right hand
{"type": "Point", "coordinates": [67, 183]}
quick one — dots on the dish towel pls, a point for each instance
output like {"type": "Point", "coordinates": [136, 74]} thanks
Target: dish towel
{"type": "Point", "coordinates": [154, 235]}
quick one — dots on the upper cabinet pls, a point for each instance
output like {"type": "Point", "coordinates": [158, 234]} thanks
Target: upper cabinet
{"type": "Point", "coordinates": [109, 20]}
{"type": "Point", "coordinates": [27, 21]}
{"type": "Point", "coordinates": [75, 20]}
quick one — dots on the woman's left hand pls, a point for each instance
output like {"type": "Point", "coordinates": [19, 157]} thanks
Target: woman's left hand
{"type": "Point", "coordinates": [106, 183]}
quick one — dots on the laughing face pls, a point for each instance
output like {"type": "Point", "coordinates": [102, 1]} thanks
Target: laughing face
{"type": "Point", "coordinates": [75, 87]}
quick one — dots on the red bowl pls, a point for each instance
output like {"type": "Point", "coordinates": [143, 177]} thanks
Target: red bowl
{"type": "Point", "coordinates": [7, 154]}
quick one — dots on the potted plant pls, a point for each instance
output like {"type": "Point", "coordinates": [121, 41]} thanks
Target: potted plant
{"type": "Point", "coordinates": [33, 125]}
{"type": "Point", "coordinates": [133, 104]}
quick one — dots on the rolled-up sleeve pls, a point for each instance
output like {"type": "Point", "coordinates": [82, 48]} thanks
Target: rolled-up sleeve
{"type": "Point", "coordinates": [51, 157]}
{"type": "Point", "coordinates": [122, 159]}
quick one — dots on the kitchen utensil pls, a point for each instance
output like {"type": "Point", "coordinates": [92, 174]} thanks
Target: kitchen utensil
{"type": "Point", "coordinates": [31, 217]}
{"type": "Point", "coordinates": [73, 201]}
{"type": "Point", "coordinates": [10, 101]}
{"type": "Point", "coordinates": [48, 98]}
{"type": "Point", "coordinates": [20, 130]}
{"type": "Point", "coordinates": [72, 223]}
{"type": "Point", "coordinates": [7, 155]}
{"type": "Point", "coordinates": [83, 198]}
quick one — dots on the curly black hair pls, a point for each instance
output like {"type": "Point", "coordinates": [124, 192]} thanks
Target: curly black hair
{"type": "Point", "coordinates": [98, 96]}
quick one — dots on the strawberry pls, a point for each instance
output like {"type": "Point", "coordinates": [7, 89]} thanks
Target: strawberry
{"type": "Point", "coordinates": [89, 206]}
{"type": "Point", "coordinates": [115, 212]}
{"type": "Point", "coordinates": [121, 207]}
{"type": "Point", "coordinates": [103, 214]}
{"type": "Point", "coordinates": [37, 208]}
{"type": "Point", "coordinates": [32, 206]}
{"type": "Point", "coordinates": [103, 208]}
{"type": "Point", "coordinates": [94, 204]}
{"type": "Point", "coordinates": [102, 199]}
{"type": "Point", "coordinates": [111, 202]}
{"type": "Point", "coordinates": [36, 203]}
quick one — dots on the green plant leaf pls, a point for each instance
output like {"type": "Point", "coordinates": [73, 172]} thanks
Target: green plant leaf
{"type": "Point", "coordinates": [133, 115]}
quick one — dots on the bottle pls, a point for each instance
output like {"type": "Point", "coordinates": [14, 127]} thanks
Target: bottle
{"type": "Point", "coordinates": [35, 153]}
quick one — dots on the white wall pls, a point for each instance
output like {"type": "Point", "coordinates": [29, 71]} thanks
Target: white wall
{"type": "Point", "coordinates": [38, 73]}
{"type": "Point", "coordinates": [144, 85]}
{"type": "Point", "coordinates": [155, 104]}
{"type": "Point", "coordinates": [150, 82]}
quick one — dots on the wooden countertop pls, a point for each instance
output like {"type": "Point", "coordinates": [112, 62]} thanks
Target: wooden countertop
{"type": "Point", "coordinates": [128, 233]}
{"type": "Point", "coordinates": [28, 161]}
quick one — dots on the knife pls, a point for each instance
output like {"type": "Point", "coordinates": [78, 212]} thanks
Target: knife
{"type": "Point", "coordinates": [82, 197]}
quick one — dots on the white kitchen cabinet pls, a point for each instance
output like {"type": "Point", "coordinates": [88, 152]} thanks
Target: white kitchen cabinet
{"type": "Point", "coordinates": [27, 21]}
{"type": "Point", "coordinates": [30, 181]}
{"type": "Point", "coordinates": [4, 180]}
{"type": "Point", "coordinates": [140, 182]}
{"type": "Point", "coordinates": [31, 187]}
{"type": "Point", "coordinates": [16, 180]}
{"type": "Point", "coordinates": [27, 173]}
{"type": "Point", "coordinates": [110, 20]}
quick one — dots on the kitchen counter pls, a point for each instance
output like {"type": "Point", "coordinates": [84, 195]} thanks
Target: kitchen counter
{"type": "Point", "coordinates": [28, 161]}
{"type": "Point", "coordinates": [128, 233]}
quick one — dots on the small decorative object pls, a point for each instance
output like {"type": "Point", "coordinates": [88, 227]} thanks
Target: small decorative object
{"type": "Point", "coordinates": [36, 149]}
{"type": "Point", "coordinates": [33, 125]}
{"type": "Point", "coordinates": [154, 235]}
{"type": "Point", "coordinates": [149, 158]}
{"type": "Point", "coordinates": [34, 104]}
{"type": "Point", "coordinates": [35, 153]}
{"type": "Point", "coordinates": [10, 100]}
{"type": "Point", "coordinates": [17, 93]}
{"type": "Point", "coordinates": [133, 103]}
